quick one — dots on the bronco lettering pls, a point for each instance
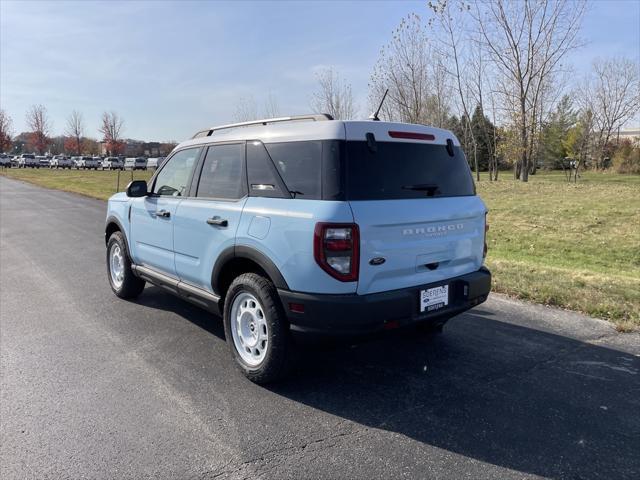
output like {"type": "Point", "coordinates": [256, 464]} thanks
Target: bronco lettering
{"type": "Point", "coordinates": [439, 230]}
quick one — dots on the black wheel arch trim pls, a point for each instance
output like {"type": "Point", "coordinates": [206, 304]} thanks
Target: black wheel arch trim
{"type": "Point", "coordinates": [111, 220]}
{"type": "Point", "coordinates": [250, 253]}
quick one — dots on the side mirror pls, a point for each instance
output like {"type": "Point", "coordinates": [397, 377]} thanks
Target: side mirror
{"type": "Point", "coordinates": [137, 188]}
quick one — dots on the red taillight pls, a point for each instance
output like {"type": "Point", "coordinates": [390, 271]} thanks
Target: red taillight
{"type": "Point", "coordinates": [338, 245]}
{"type": "Point", "coordinates": [336, 248]}
{"type": "Point", "coordinates": [411, 135]}
{"type": "Point", "coordinates": [486, 229]}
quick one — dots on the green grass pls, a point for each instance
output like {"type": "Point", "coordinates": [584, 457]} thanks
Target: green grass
{"type": "Point", "coordinates": [575, 246]}
{"type": "Point", "coordinates": [97, 184]}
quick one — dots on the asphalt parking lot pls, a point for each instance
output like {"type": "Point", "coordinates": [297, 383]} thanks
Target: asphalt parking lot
{"type": "Point", "coordinates": [93, 386]}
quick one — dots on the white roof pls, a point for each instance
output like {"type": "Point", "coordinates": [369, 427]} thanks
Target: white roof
{"type": "Point", "coordinates": [324, 130]}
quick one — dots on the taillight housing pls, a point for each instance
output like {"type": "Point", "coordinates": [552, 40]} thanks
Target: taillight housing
{"type": "Point", "coordinates": [486, 229]}
{"type": "Point", "coordinates": [336, 248]}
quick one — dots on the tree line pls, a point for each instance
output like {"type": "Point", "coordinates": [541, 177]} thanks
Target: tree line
{"type": "Point", "coordinates": [74, 140]}
{"type": "Point", "coordinates": [495, 72]}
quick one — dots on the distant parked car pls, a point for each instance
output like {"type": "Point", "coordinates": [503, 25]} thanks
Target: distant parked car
{"type": "Point", "coordinates": [113, 163]}
{"type": "Point", "coordinates": [135, 163]}
{"type": "Point", "coordinates": [42, 161]}
{"type": "Point", "coordinates": [14, 161]}
{"type": "Point", "coordinates": [95, 163]}
{"type": "Point", "coordinates": [28, 160]}
{"type": "Point", "coordinates": [155, 162]}
{"type": "Point", "coordinates": [61, 161]}
{"type": "Point", "coordinates": [5, 160]}
{"type": "Point", "coordinates": [86, 163]}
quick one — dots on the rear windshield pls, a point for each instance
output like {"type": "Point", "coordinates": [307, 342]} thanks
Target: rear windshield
{"type": "Point", "coordinates": [352, 170]}
{"type": "Point", "coordinates": [396, 170]}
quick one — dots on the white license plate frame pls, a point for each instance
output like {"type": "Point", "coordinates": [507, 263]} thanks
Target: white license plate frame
{"type": "Point", "coordinates": [434, 298]}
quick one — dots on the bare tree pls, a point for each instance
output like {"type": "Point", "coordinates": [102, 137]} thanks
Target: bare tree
{"type": "Point", "coordinates": [5, 131]}
{"type": "Point", "coordinates": [455, 45]}
{"type": "Point", "coordinates": [613, 95]}
{"type": "Point", "coordinates": [40, 126]}
{"type": "Point", "coordinates": [246, 109]}
{"type": "Point", "coordinates": [526, 42]}
{"type": "Point", "coordinates": [111, 130]}
{"type": "Point", "coordinates": [406, 67]}
{"type": "Point", "coordinates": [333, 96]}
{"type": "Point", "coordinates": [75, 131]}
{"type": "Point", "coordinates": [483, 91]}
{"type": "Point", "coordinates": [271, 107]}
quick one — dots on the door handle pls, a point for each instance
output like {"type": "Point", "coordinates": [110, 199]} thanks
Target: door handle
{"type": "Point", "coordinates": [163, 213]}
{"type": "Point", "coordinates": [218, 222]}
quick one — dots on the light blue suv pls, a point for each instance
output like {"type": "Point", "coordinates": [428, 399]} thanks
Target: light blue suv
{"type": "Point", "coordinates": [305, 225]}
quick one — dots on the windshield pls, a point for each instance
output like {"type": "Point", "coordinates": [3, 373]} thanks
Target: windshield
{"type": "Point", "coordinates": [396, 170]}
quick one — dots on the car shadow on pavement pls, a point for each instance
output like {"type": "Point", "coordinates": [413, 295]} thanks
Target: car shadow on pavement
{"type": "Point", "coordinates": [515, 397]}
{"type": "Point", "coordinates": [156, 298]}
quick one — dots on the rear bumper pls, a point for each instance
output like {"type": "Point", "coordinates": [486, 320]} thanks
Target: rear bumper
{"type": "Point", "coordinates": [361, 314]}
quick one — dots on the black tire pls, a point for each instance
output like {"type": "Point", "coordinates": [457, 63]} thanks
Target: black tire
{"type": "Point", "coordinates": [278, 357]}
{"type": "Point", "coordinates": [132, 286]}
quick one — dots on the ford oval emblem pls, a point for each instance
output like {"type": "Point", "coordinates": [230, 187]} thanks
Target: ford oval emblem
{"type": "Point", "coordinates": [377, 261]}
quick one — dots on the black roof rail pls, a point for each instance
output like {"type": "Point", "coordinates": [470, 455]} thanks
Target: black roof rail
{"type": "Point", "coordinates": [316, 117]}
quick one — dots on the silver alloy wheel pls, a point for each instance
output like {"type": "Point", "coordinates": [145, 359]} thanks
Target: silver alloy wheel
{"type": "Point", "coordinates": [249, 329]}
{"type": "Point", "coordinates": [116, 265]}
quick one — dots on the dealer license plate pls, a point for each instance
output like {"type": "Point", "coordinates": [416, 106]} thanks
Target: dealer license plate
{"type": "Point", "coordinates": [434, 298]}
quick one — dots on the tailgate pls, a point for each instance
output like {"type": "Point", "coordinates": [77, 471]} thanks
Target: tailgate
{"type": "Point", "coordinates": [421, 240]}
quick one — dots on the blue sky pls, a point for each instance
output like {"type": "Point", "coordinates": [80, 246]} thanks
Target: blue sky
{"type": "Point", "coordinates": [172, 68]}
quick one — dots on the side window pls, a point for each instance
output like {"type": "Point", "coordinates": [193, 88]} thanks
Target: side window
{"type": "Point", "coordinates": [300, 165]}
{"type": "Point", "coordinates": [262, 175]}
{"type": "Point", "coordinates": [223, 172]}
{"type": "Point", "coordinates": [172, 179]}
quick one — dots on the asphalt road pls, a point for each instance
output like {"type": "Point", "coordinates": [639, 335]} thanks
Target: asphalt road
{"type": "Point", "coordinates": [97, 387]}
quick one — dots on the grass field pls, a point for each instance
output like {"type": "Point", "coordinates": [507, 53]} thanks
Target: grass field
{"type": "Point", "coordinates": [92, 183]}
{"type": "Point", "coordinates": [575, 246]}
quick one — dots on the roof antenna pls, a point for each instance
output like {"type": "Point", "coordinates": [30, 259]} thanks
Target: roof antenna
{"type": "Point", "coordinates": [374, 116]}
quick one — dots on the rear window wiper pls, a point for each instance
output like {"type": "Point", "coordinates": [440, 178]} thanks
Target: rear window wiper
{"type": "Point", "coordinates": [430, 188]}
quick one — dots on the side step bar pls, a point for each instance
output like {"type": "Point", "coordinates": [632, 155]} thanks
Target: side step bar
{"type": "Point", "coordinates": [195, 295]}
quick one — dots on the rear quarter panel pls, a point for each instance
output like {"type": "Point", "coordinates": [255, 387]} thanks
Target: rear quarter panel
{"type": "Point", "coordinates": [283, 229]}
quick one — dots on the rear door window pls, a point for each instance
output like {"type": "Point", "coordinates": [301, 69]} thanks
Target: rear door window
{"type": "Point", "coordinates": [300, 165]}
{"type": "Point", "coordinates": [396, 170]}
{"type": "Point", "coordinates": [264, 180]}
{"type": "Point", "coordinates": [222, 173]}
